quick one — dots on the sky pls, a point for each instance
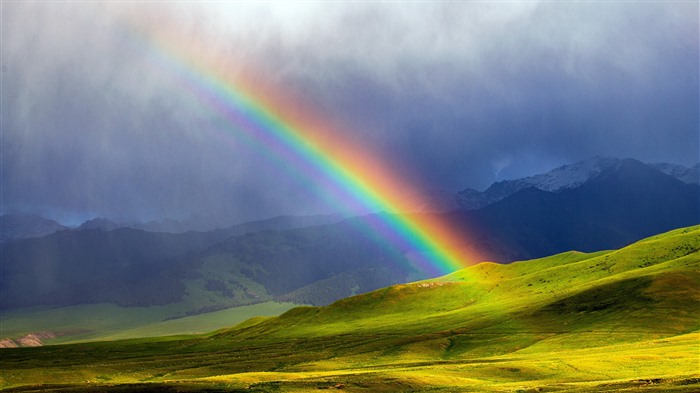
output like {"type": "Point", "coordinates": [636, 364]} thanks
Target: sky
{"type": "Point", "coordinates": [451, 95]}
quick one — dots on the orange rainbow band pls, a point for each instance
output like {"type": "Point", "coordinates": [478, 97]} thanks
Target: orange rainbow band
{"type": "Point", "coordinates": [324, 154]}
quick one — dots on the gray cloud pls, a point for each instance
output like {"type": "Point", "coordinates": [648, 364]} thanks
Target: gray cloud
{"type": "Point", "coordinates": [456, 94]}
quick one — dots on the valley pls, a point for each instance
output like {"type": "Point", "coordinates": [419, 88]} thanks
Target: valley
{"type": "Point", "coordinates": [609, 321]}
{"type": "Point", "coordinates": [93, 322]}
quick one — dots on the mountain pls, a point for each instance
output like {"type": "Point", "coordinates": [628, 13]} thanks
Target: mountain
{"type": "Point", "coordinates": [202, 271]}
{"type": "Point", "coordinates": [207, 224]}
{"type": "Point", "coordinates": [610, 321]}
{"type": "Point", "coordinates": [564, 178]}
{"type": "Point", "coordinates": [285, 263]}
{"type": "Point", "coordinates": [281, 223]}
{"type": "Point", "coordinates": [686, 175]}
{"type": "Point", "coordinates": [123, 266]}
{"type": "Point", "coordinates": [561, 178]}
{"type": "Point", "coordinates": [23, 226]}
{"type": "Point", "coordinates": [205, 271]}
{"type": "Point", "coordinates": [618, 206]}
{"type": "Point", "coordinates": [100, 223]}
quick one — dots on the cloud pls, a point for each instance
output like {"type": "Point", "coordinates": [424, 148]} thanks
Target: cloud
{"type": "Point", "coordinates": [446, 91]}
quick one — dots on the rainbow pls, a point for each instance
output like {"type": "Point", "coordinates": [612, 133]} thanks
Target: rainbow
{"type": "Point", "coordinates": [269, 117]}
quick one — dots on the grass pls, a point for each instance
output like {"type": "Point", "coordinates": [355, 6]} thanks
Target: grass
{"type": "Point", "coordinates": [109, 322]}
{"type": "Point", "coordinates": [613, 321]}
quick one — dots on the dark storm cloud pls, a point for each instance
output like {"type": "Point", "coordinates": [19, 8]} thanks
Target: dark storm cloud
{"type": "Point", "coordinates": [457, 94]}
{"type": "Point", "coordinates": [463, 92]}
{"type": "Point", "coordinates": [91, 127]}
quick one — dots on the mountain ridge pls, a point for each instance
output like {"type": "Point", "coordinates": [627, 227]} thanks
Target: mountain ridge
{"type": "Point", "coordinates": [24, 226]}
{"type": "Point", "coordinates": [430, 201]}
{"type": "Point", "coordinates": [214, 270]}
{"type": "Point", "coordinates": [613, 209]}
{"type": "Point", "coordinates": [563, 178]}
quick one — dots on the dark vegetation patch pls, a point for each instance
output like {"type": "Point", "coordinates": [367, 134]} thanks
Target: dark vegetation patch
{"type": "Point", "coordinates": [141, 286]}
{"type": "Point", "coordinates": [128, 388]}
{"type": "Point", "coordinates": [678, 251]}
{"type": "Point", "coordinates": [290, 260]}
{"type": "Point", "coordinates": [134, 268]}
{"type": "Point", "coordinates": [219, 287]}
{"type": "Point", "coordinates": [620, 295]}
{"type": "Point", "coordinates": [687, 385]}
{"type": "Point", "coordinates": [248, 273]}
{"type": "Point", "coordinates": [212, 308]}
{"type": "Point", "coordinates": [125, 266]}
{"type": "Point", "coordinates": [340, 286]}
{"type": "Point", "coordinates": [688, 381]}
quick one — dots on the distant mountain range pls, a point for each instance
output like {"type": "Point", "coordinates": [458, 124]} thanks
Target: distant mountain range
{"type": "Point", "coordinates": [22, 226]}
{"type": "Point", "coordinates": [206, 224]}
{"type": "Point", "coordinates": [686, 175]}
{"type": "Point", "coordinates": [619, 205]}
{"type": "Point", "coordinates": [564, 178]}
{"type": "Point", "coordinates": [19, 226]}
{"type": "Point", "coordinates": [615, 204]}
{"type": "Point", "coordinates": [559, 179]}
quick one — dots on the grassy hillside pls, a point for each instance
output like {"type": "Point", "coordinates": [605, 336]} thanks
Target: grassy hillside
{"type": "Point", "coordinates": [624, 320]}
{"type": "Point", "coordinates": [95, 322]}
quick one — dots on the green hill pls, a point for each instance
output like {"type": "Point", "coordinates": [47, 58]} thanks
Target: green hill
{"type": "Point", "coordinates": [623, 320]}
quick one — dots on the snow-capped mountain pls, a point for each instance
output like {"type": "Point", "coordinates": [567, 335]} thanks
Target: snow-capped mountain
{"type": "Point", "coordinates": [686, 175]}
{"type": "Point", "coordinates": [563, 178]}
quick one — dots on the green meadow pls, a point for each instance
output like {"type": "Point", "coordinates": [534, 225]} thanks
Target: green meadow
{"type": "Point", "coordinates": [613, 321]}
{"type": "Point", "coordinates": [92, 322]}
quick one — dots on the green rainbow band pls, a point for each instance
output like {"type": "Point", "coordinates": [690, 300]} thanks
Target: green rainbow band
{"type": "Point", "coordinates": [289, 142]}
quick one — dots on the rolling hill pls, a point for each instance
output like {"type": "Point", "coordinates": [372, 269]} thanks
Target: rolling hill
{"type": "Point", "coordinates": [608, 321]}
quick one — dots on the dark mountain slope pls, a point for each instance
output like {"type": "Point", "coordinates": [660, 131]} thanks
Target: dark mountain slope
{"type": "Point", "coordinates": [209, 224]}
{"type": "Point", "coordinates": [88, 266]}
{"type": "Point", "coordinates": [616, 208]}
{"type": "Point", "coordinates": [564, 178]}
{"type": "Point", "coordinates": [22, 226]}
{"type": "Point", "coordinates": [292, 259]}
{"type": "Point", "coordinates": [137, 268]}
{"type": "Point", "coordinates": [639, 197]}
